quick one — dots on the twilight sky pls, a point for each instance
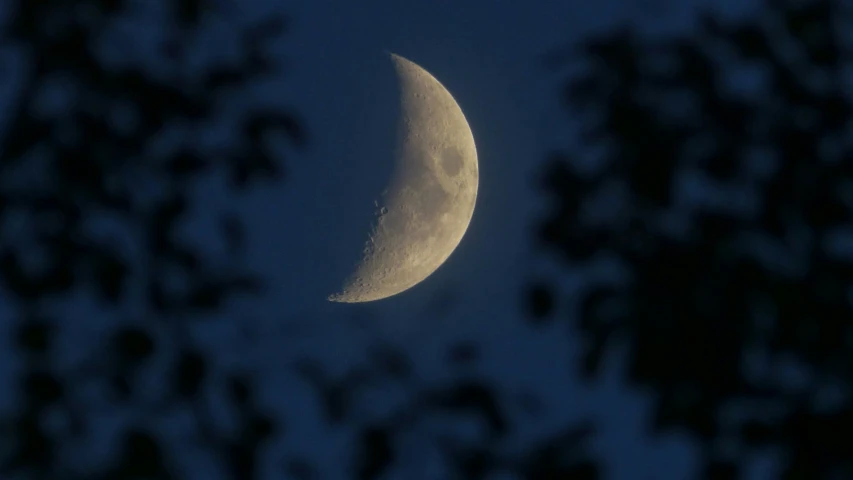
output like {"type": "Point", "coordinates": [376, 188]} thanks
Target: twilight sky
{"type": "Point", "coordinates": [485, 53]}
{"type": "Point", "coordinates": [305, 230]}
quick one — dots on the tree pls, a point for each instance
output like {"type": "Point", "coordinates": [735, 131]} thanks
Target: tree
{"type": "Point", "coordinates": [97, 161]}
{"type": "Point", "coordinates": [724, 195]}
{"type": "Point", "coordinates": [420, 437]}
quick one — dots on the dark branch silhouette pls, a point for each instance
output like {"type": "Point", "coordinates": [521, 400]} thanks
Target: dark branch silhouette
{"type": "Point", "coordinates": [726, 194]}
{"type": "Point", "coordinates": [90, 204]}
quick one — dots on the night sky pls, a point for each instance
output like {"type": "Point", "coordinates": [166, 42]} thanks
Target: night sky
{"type": "Point", "coordinates": [488, 56]}
{"type": "Point", "coordinates": [305, 230]}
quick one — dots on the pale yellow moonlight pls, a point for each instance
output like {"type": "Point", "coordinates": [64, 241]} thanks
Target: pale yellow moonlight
{"type": "Point", "coordinates": [428, 204]}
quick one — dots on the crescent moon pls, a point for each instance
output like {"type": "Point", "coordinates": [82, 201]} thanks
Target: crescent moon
{"type": "Point", "coordinates": [427, 207]}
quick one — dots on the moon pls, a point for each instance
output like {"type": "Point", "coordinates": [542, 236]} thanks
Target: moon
{"type": "Point", "coordinates": [423, 214]}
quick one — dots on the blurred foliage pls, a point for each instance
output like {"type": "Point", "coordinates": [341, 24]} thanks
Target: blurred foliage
{"type": "Point", "coordinates": [721, 182]}
{"type": "Point", "coordinates": [427, 435]}
{"type": "Point", "coordinates": [91, 204]}
{"type": "Point", "coordinates": [101, 150]}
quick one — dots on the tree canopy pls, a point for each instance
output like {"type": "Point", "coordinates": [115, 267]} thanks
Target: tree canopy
{"type": "Point", "coordinates": [716, 168]}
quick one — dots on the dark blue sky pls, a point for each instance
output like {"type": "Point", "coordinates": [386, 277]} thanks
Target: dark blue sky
{"type": "Point", "coordinates": [306, 229]}
{"type": "Point", "coordinates": [485, 53]}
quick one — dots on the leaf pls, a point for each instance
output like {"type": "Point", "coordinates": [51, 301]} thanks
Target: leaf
{"type": "Point", "coordinates": [209, 294]}
{"type": "Point", "coordinates": [32, 449]}
{"type": "Point", "coordinates": [190, 373]}
{"type": "Point", "coordinates": [162, 220]}
{"type": "Point", "coordinates": [185, 163]}
{"type": "Point", "coordinates": [133, 344]}
{"type": "Point", "coordinates": [141, 457]}
{"type": "Point", "coordinates": [473, 398]}
{"type": "Point", "coordinates": [242, 460]}
{"type": "Point", "coordinates": [335, 395]}
{"type": "Point", "coordinates": [757, 433]}
{"type": "Point", "coordinates": [188, 13]}
{"type": "Point", "coordinates": [41, 387]}
{"type": "Point", "coordinates": [561, 456]}
{"type": "Point", "coordinates": [261, 427]}
{"type": "Point", "coordinates": [474, 463]}
{"type": "Point", "coordinates": [374, 453]}
{"type": "Point", "coordinates": [269, 121]}
{"type": "Point", "coordinates": [721, 470]}
{"type": "Point", "coordinates": [111, 273]}
{"type": "Point", "coordinates": [750, 41]}
{"type": "Point", "coordinates": [25, 135]}
{"type": "Point", "coordinates": [34, 336]}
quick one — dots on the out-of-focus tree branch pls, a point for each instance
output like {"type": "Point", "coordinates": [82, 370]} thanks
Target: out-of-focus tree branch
{"type": "Point", "coordinates": [725, 193]}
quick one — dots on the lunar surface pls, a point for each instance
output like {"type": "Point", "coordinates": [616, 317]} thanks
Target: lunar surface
{"type": "Point", "coordinates": [423, 214]}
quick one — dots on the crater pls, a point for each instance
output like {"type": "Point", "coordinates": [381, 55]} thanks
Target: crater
{"type": "Point", "coordinates": [451, 161]}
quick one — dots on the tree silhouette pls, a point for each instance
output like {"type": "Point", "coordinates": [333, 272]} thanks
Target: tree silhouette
{"type": "Point", "coordinates": [400, 439]}
{"type": "Point", "coordinates": [724, 192]}
{"type": "Point", "coordinates": [93, 189]}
